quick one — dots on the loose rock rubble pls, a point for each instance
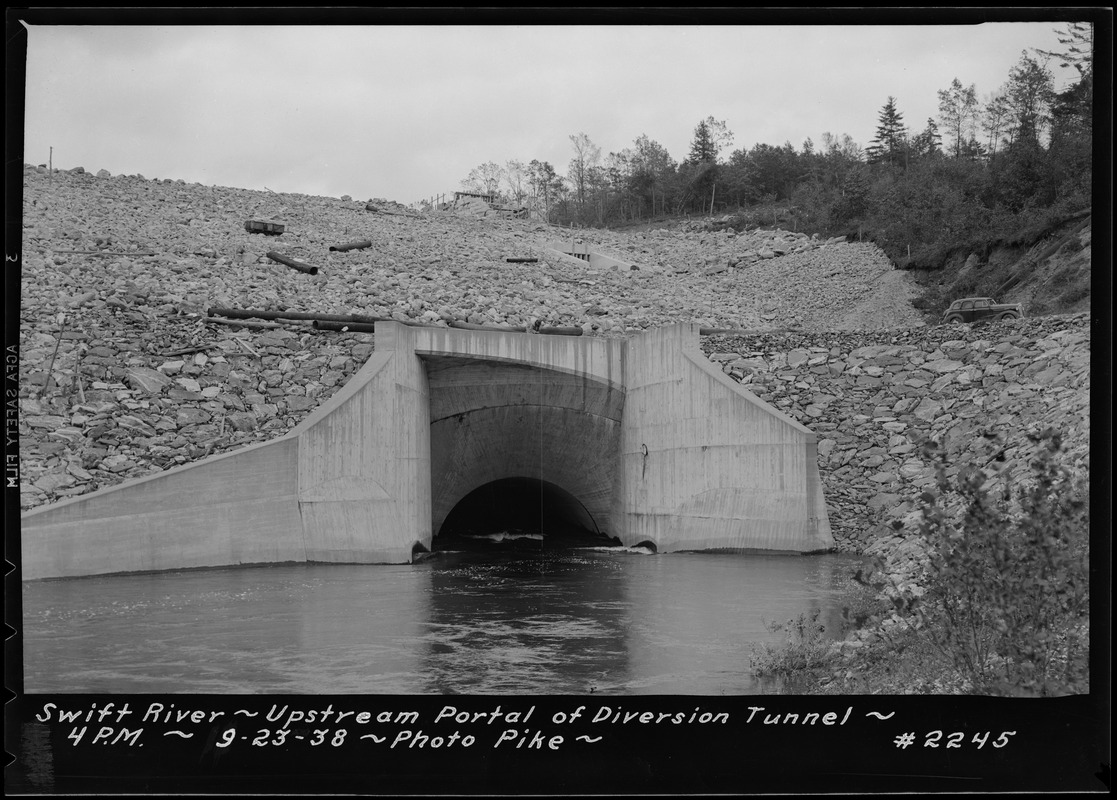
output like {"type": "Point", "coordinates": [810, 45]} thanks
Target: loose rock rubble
{"type": "Point", "coordinates": [759, 279]}
{"type": "Point", "coordinates": [121, 375]}
{"type": "Point", "coordinates": [872, 398]}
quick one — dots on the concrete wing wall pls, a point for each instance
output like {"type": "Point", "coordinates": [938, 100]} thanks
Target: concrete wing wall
{"type": "Point", "coordinates": [364, 464]}
{"type": "Point", "coordinates": [235, 508]}
{"type": "Point", "coordinates": [705, 465]}
{"type": "Point", "coordinates": [351, 483]}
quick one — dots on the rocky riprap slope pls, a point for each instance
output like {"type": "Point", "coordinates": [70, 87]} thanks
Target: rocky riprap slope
{"type": "Point", "coordinates": [873, 397]}
{"type": "Point", "coordinates": [140, 380]}
{"type": "Point", "coordinates": [431, 267]}
{"type": "Point", "coordinates": [762, 278]}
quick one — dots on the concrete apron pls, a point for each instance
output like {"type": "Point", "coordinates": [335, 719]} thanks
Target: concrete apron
{"type": "Point", "coordinates": [656, 444]}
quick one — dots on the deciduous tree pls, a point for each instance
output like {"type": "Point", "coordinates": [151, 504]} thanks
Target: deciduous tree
{"type": "Point", "coordinates": [958, 110]}
{"type": "Point", "coordinates": [514, 175]}
{"type": "Point", "coordinates": [653, 170]}
{"type": "Point", "coordinates": [994, 121]}
{"type": "Point", "coordinates": [1029, 94]}
{"type": "Point", "coordinates": [929, 142]}
{"type": "Point", "coordinates": [484, 179]}
{"type": "Point", "coordinates": [586, 156]}
{"type": "Point", "coordinates": [544, 183]}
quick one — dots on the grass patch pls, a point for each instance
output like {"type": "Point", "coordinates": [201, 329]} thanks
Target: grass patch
{"type": "Point", "coordinates": [806, 647]}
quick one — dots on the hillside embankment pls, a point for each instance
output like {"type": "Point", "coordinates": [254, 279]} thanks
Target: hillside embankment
{"type": "Point", "coordinates": [122, 374]}
{"type": "Point", "coordinates": [873, 398]}
{"type": "Point", "coordinates": [1046, 269]}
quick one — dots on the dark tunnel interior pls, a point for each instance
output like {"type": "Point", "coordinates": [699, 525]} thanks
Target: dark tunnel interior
{"type": "Point", "coordinates": [522, 513]}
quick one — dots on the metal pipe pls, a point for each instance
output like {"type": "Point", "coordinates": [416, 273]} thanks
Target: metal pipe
{"type": "Point", "coordinates": [341, 248]}
{"type": "Point", "coordinates": [292, 263]}
{"type": "Point", "coordinates": [561, 331]}
{"type": "Point", "coordinates": [521, 260]}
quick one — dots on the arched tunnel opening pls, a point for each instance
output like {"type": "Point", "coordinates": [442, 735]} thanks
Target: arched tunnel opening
{"type": "Point", "coordinates": [521, 513]}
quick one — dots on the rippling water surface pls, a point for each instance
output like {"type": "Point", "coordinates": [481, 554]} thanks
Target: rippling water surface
{"type": "Point", "coordinates": [574, 621]}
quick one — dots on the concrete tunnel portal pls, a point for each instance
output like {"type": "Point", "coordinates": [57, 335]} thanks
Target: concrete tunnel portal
{"type": "Point", "coordinates": [514, 507]}
{"type": "Point", "coordinates": [519, 449]}
{"type": "Point", "coordinates": [637, 440]}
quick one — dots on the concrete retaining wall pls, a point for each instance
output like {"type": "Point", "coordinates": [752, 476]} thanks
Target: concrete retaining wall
{"type": "Point", "coordinates": [655, 443]}
{"type": "Point", "coordinates": [236, 508]}
{"type": "Point", "coordinates": [364, 465]}
{"type": "Point", "coordinates": [705, 464]}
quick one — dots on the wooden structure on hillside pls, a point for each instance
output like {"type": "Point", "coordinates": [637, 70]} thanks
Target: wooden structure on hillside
{"type": "Point", "coordinates": [488, 198]}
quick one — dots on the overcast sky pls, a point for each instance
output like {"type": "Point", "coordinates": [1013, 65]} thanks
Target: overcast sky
{"type": "Point", "coordinates": [405, 112]}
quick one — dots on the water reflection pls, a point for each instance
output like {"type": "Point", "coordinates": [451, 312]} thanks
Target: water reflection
{"type": "Point", "coordinates": [695, 617]}
{"type": "Point", "coordinates": [282, 629]}
{"type": "Point", "coordinates": [548, 621]}
{"type": "Point", "coordinates": [573, 621]}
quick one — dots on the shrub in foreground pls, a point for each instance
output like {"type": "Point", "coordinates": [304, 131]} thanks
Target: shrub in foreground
{"type": "Point", "coordinates": [1003, 599]}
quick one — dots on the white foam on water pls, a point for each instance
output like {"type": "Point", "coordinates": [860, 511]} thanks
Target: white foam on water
{"type": "Point", "coordinates": [504, 536]}
{"type": "Point", "coordinates": [641, 551]}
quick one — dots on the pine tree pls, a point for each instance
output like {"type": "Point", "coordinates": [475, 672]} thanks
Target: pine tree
{"type": "Point", "coordinates": [1078, 39]}
{"type": "Point", "coordinates": [710, 136]}
{"type": "Point", "coordinates": [702, 147]}
{"type": "Point", "coordinates": [888, 145]}
{"type": "Point", "coordinates": [1073, 109]}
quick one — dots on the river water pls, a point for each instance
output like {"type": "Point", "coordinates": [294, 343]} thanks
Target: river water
{"type": "Point", "coordinates": [575, 621]}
